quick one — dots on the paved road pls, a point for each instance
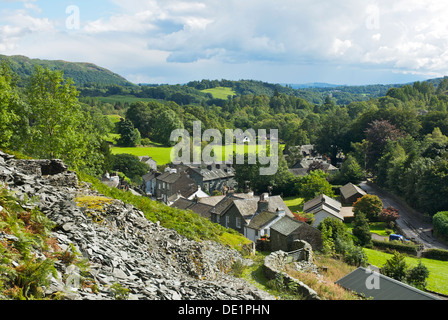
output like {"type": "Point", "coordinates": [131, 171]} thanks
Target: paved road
{"type": "Point", "coordinates": [414, 228]}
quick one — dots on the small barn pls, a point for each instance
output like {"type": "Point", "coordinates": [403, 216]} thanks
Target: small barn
{"type": "Point", "coordinates": [286, 230]}
{"type": "Point", "coordinates": [350, 193]}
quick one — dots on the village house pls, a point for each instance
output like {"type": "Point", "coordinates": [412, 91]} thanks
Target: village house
{"type": "Point", "coordinates": [149, 161]}
{"type": "Point", "coordinates": [212, 177]}
{"type": "Point", "coordinates": [251, 216]}
{"type": "Point", "coordinates": [323, 207]}
{"type": "Point", "coordinates": [149, 183]}
{"type": "Point", "coordinates": [172, 184]}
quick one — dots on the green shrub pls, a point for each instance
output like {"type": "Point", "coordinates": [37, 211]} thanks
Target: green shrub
{"type": "Point", "coordinates": [388, 246]}
{"type": "Point", "coordinates": [436, 254]}
{"type": "Point", "coordinates": [440, 222]}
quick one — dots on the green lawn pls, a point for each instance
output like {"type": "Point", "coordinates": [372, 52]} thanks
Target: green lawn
{"type": "Point", "coordinates": [375, 227]}
{"type": "Point", "coordinates": [294, 204]}
{"type": "Point", "coordinates": [220, 92]}
{"type": "Point", "coordinates": [438, 276]}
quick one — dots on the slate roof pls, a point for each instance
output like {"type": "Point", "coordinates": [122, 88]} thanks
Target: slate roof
{"type": "Point", "coordinates": [305, 164]}
{"type": "Point", "coordinates": [213, 201]}
{"type": "Point", "coordinates": [388, 288]}
{"type": "Point", "coordinates": [323, 202]}
{"type": "Point", "coordinates": [350, 190]}
{"type": "Point", "coordinates": [213, 173]}
{"type": "Point", "coordinates": [182, 203]}
{"type": "Point", "coordinates": [150, 175]}
{"type": "Point", "coordinates": [299, 171]}
{"type": "Point", "coordinates": [248, 207]}
{"type": "Point", "coordinates": [200, 208]}
{"type": "Point", "coordinates": [286, 225]}
{"type": "Point", "coordinates": [321, 199]}
{"type": "Point", "coordinates": [262, 219]}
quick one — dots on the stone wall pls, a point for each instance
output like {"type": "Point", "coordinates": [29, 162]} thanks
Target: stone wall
{"type": "Point", "coordinates": [274, 265]}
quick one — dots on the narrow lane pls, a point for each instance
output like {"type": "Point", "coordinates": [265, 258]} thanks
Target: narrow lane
{"type": "Point", "coordinates": [414, 228]}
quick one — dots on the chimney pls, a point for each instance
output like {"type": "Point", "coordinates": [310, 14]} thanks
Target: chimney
{"type": "Point", "coordinates": [280, 212]}
{"type": "Point", "coordinates": [263, 203]}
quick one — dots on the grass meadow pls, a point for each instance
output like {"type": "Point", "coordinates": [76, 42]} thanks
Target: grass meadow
{"type": "Point", "coordinates": [438, 276]}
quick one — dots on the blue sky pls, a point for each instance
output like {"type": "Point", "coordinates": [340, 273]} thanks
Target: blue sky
{"type": "Point", "coordinates": [279, 41]}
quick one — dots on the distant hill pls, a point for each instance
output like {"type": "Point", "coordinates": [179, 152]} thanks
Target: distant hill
{"type": "Point", "coordinates": [311, 85]}
{"type": "Point", "coordinates": [82, 73]}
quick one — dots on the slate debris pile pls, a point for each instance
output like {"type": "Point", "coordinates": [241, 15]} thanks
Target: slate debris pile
{"type": "Point", "coordinates": [121, 247]}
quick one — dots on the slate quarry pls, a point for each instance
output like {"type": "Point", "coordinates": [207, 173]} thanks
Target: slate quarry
{"type": "Point", "coordinates": [121, 246]}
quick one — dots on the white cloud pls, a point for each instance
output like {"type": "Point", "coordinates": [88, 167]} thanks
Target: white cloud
{"type": "Point", "coordinates": [407, 36]}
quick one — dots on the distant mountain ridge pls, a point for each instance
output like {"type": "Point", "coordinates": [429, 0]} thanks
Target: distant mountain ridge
{"type": "Point", "coordinates": [82, 73]}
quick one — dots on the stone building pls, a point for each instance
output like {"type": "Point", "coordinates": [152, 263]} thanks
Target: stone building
{"type": "Point", "coordinates": [287, 230]}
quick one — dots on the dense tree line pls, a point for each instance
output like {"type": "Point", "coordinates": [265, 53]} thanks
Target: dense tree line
{"type": "Point", "coordinates": [399, 139]}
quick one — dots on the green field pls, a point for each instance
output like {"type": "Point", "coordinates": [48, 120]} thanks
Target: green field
{"type": "Point", "coordinates": [159, 154]}
{"type": "Point", "coordinates": [163, 154]}
{"type": "Point", "coordinates": [438, 276]}
{"type": "Point", "coordinates": [220, 92]}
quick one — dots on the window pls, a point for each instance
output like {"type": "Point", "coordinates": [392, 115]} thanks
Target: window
{"type": "Point", "coordinates": [238, 222]}
{"type": "Point", "coordinates": [227, 221]}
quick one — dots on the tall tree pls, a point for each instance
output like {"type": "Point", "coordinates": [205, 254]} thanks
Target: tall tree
{"type": "Point", "coordinates": [332, 137]}
{"type": "Point", "coordinates": [9, 101]}
{"type": "Point", "coordinates": [57, 127]}
{"type": "Point", "coordinates": [379, 133]}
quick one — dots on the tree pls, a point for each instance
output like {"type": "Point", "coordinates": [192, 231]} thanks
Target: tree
{"type": "Point", "coordinates": [332, 137]}
{"type": "Point", "coordinates": [165, 122]}
{"type": "Point", "coordinates": [129, 136]}
{"type": "Point", "coordinates": [314, 184]}
{"type": "Point", "coordinates": [9, 101]}
{"type": "Point", "coordinates": [130, 165]}
{"type": "Point", "coordinates": [417, 276]}
{"type": "Point", "coordinates": [395, 267]}
{"type": "Point", "coordinates": [378, 134]}
{"type": "Point", "coordinates": [389, 215]}
{"type": "Point", "coordinates": [370, 205]}
{"type": "Point", "coordinates": [57, 127]}
{"type": "Point", "coordinates": [361, 229]}
{"type": "Point", "coordinates": [350, 171]}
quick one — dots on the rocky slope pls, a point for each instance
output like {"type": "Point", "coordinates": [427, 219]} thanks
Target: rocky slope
{"type": "Point", "coordinates": [124, 250]}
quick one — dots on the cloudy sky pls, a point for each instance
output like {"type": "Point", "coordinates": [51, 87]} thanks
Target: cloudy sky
{"type": "Point", "coordinates": [278, 41]}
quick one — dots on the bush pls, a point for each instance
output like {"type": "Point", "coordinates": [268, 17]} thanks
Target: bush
{"type": "Point", "coordinates": [440, 222]}
{"type": "Point", "coordinates": [395, 267]}
{"type": "Point", "coordinates": [417, 276]}
{"type": "Point", "coordinates": [361, 230]}
{"type": "Point", "coordinates": [408, 248]}
{"type": "Point", "coordinates": [436, 254]}
{"type": "Point", "coordinates": [370, 205]}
